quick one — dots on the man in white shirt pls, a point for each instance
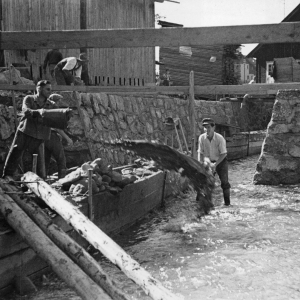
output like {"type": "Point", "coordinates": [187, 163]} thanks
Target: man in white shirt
{"type": "Point", "coordinates": [212, 145]}
{"type": "Point", "coordinates": [69, 68]}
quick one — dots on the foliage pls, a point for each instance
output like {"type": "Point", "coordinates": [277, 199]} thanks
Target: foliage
{"type": "Point", "coordinates": [231, 53]}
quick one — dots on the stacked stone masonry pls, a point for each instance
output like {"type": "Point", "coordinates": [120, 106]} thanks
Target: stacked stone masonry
{"type": "Point", "coordinates": [108, 117]}
{"type": "Point", "coordinates": [279, 162]}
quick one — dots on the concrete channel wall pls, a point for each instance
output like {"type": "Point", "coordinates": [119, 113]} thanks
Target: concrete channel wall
{"type": "Point", "coordinates": [107, 117]}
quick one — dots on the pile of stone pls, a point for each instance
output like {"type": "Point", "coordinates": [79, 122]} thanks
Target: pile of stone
{"type": "Point", "coordinates": [104, 177]}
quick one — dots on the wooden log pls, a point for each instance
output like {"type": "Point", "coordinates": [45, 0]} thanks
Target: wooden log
{"type": "Point", "coordinates": [286, 32]}
{"type": "Point", "coordinates": [78, 254]}
{"type": "Point", "coordinates": [98, 238]}
{"type": "Point", "coordinates": [46, 249]}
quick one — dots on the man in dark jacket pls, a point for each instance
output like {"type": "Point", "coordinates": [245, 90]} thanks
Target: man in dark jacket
{"type": "Point", "coordinates": [52, 58]}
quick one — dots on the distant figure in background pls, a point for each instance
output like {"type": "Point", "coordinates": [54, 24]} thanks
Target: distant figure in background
{"type": "Point", "coordinates": [52, 58]}
{"type": "Point", "coordinates": [253, 80]}
{"type": "Point", "coordinates": [166, 78]}
{"type": "Point", "coordinates": [70, 68]}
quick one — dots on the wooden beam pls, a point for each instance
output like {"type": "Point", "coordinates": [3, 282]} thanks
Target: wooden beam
{"type": "Point", "coordinates": [147, 37]}
{"type": "Point", "coordinates": [257, 89]}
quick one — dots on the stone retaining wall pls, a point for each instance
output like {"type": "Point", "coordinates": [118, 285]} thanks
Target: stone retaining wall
{"type": "Point", "coordinates": [279, 162]}
{"type": "Point", "coordinates": [108, 117]}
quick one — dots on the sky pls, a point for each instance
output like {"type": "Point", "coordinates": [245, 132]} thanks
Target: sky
{"type": "Point", "coordinates": [201, 13]}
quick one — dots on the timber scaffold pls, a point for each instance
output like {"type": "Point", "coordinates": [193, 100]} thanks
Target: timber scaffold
{"type": "Point", "coordinates": [122, 38]}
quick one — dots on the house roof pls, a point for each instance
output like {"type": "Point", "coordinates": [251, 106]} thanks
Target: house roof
{"type": "Point", "coordinates": [168, 24]}
{"type": "Point", "coordinates": [293, 16]}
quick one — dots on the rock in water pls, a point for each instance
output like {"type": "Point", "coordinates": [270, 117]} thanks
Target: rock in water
{"type": "Point", "coordinates": [168, 158]}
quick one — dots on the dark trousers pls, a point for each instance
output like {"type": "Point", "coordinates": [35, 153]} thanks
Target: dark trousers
{"type": "Point", "coordinates": [222, 171]}
{"type": "Point", "coordinates": [55, 148]}
{"type": "Point", "coordinates": [20, 143]}
{"type": "Point", "coordinates": [62, 77]}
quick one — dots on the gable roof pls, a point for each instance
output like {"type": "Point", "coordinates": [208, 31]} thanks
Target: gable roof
{"type": "Point", "coordinates": [293, 16]}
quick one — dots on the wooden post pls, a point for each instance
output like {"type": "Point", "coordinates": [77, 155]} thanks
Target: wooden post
{"type": "Point", "coordinates": [75, 96]}
{"type": "Point", "coordinates": [183, 136]}
{"type": "Point", "coordinates": [96, 237]}
{"type": "Point", "coordinates": [61, 264]}
{"type": "Point", "coordinates": [192, 113]}
{"type": "Point", "coordinates": [90, 199]}
{"type": "Point", "coordinates": [34, 162]}
{"type": "Point", "coordinates": [41, 159]}
{"type": "Point", "coordinates": [15, 109]}
{"type": "Point", "coordinates": [78, 254]}
{"type": "Point", "coordinates": [178, 138]}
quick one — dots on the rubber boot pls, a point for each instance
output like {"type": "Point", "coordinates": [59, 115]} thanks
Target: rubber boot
{"type": "Point", "coordinates": [226, 194]}
{"type": "Point", "coordinates": [61, 173]}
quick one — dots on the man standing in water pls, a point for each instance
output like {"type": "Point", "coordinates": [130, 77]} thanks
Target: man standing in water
{"type": "Point", "coordinates": [212, 145]}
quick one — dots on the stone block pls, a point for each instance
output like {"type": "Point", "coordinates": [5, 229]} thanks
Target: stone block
{"type": "Point", "coordinates": [67, 101]}
{"type": "Point", "coordinates": [127, 104]}
{"type": "Point", "coordinates": [294, 151]}
{"type": "Point", "coordinates": [113, 102]}
{"type": "Point", "coordinates": [6, 128]}
{"type": "Point", "coordinates": [120, 102]}
{"type": "Point", "coordinates": [123, 124]}
{"type": "Point", "coordinates": [141, 104]}
{"type": "Point", "coordinates": [149, 128]}
{"type": "Point", "coordinates": [104, 100]}
{"type": "Point", "coordinates": [135, 107]}
{"type": "Point", "coordinates": [97, 123]}
{"type": "Point", "coordinates": [85, 99]}
{"type": "Point", "coordinates": [111, 118]}
{"type": "Point", "coordinates": [90, 112]}
{"type": "Point", "coordinates": [152, 112]}
{"type": "Point", "coordinates": [75, 126]}
{"type": "Point", "coordinates": [130, 119]}
{"type": "Point", "coordinates": [96, 100]}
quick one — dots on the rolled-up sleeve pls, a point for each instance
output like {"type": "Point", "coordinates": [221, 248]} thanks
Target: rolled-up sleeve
{"type": "Point", "coordinates": [200, 145]}
{"type": "Point", "coordinates": [222, 146]}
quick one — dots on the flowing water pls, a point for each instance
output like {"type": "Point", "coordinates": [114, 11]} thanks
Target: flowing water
{"type": "Point", "coordinates": [250, 250]}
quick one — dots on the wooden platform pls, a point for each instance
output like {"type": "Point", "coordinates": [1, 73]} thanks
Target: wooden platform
{"type": "Point", "coordinates": [112, 214]}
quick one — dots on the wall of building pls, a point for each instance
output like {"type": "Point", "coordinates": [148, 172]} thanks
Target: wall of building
{"type": "Point", "coordinates": [128, 66]}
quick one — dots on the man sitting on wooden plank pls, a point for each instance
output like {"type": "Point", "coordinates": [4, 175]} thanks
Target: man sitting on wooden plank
{"type": "Point", "coordinates": [69, 69]}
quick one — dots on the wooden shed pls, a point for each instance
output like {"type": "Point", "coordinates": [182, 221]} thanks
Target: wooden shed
{"type": "Point", "coordinates": [126, 66]}
{"type": "Point", "coordinates": [205, 61]}
{"type": "Point", "coordinates": [265, 54]}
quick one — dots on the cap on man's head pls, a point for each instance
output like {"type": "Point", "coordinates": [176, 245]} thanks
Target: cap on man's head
{"type": "Point", "coordinates": [208, 121]}
{"type": "Point", "coordinates": [82, 57]}
{"type": "Point", "coordinates": [43, 83]}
